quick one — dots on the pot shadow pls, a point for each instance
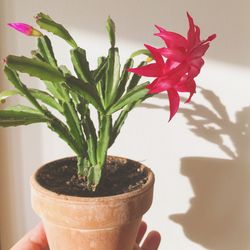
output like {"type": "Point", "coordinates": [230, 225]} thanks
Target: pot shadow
{"type": "Point", "coordinates": [219, 213]}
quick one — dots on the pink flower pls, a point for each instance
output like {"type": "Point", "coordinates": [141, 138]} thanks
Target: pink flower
{"type": "Point", "coordinates": [189, 50]}
{"type": "Point", "coordinates": [25, 29]}
{"type": "Point", "coordinates": [168, 78]}
{"type": "Point", "coordinates": [183, 64]}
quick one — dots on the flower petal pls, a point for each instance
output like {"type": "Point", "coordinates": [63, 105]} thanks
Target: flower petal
{"type": "Point", "coordinates": [195, 67]}
{"type": "Point", "coordinates": [156, 54]}
{"type": "Point", "coordinates": [159, 85]}
{"type": "Point", "coordinates": [186, 85]}
{"type": "Point", "coordinates": [177, 73]}
{"type": "Point", "coordinates": [170, 64]}
{"type": "Point", "coordinates": [171, 39]}
{"type": "Point", "coordinates": [173, 54]}
{"type": "Point", "coordinates": [191, 36]}
{"type": "Point", "coordinates": [174, 102]}
{"type": "Point", "coordinates": [153, 88]}
{"type": "Point", "coordinates": [210, 38]}
{"type": "Point", "coordinates": [197, 34]}
{"type": "Point", "coordinates": [150, 70]}
{"type": "Point", "coordinates": [199, 51]}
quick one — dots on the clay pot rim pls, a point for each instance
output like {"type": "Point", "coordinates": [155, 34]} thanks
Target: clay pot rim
{"type": "Point", "coordinates": [77, 199]}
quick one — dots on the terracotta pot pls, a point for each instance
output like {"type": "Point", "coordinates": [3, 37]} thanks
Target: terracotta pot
{"type": "Point", "coordinates": [100, 223]}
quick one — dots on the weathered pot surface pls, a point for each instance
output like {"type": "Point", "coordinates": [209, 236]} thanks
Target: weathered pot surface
{"type": "Point", "coordinates": [87, 223]}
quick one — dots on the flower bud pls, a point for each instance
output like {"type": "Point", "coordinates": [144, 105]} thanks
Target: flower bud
{"type": "Point", "coordinates": [25, 29]}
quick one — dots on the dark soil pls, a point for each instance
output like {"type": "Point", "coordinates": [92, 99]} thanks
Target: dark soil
{"type": "Point", "coordinates": [120, 176]}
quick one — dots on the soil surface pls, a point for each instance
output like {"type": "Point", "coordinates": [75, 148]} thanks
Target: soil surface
{"type": "Point", "coordinates": [120, 176]}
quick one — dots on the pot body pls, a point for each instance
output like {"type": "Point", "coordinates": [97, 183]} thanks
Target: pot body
{"type": "Point", "coordinates": [102, 223]}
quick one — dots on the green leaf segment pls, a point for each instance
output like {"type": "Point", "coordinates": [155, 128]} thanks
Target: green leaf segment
{"type": "Point", "coordinates": [108, 89]}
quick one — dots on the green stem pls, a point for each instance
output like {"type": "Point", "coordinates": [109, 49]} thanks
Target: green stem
{"type": "Point", "coordinates": [89, 130]}
{"type": "Point", "coordinates": [95, 171]}
{"type": "Point", "coordinates": [83, 166]}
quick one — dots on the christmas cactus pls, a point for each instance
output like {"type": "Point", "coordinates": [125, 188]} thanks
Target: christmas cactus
{"type": "Point", "coordinates": [109, 88]}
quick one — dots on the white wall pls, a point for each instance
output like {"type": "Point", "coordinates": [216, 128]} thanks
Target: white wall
{"type": "Point", "coordinates": [201, 165]}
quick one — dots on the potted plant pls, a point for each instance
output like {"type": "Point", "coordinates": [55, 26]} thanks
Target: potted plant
{"type": "Point", "coordinates": [95, 201]}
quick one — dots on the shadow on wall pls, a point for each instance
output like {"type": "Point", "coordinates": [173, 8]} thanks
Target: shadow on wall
{"type": "Point", "coordinates": [219, 213]}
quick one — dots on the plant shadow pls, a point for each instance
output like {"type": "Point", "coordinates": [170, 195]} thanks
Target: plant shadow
{"type": "Point", "coordinates": [219, 213]}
